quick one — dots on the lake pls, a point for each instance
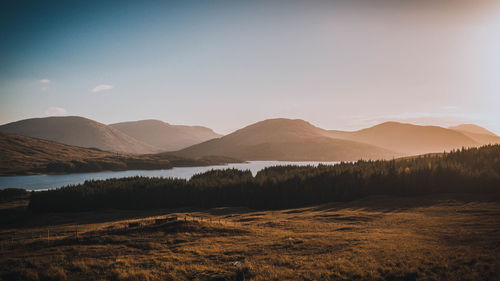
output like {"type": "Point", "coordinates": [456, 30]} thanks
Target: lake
{"type": "Point", "coordinates": [37, 182]}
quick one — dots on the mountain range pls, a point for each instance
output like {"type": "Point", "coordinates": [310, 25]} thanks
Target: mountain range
{"type": "Point", "coordinates": [21, 155]}
{"type": "Point", "coordinates": [272, 139]}
{"type": "Point", "coordinates": [478, 134]}
{"type": "Point", "coordinates": [79, 131]}
{"type": "Point", "coordinates": [165, 136]}
{"type": "Point", "coordinates": [285, 139]}
{"type": "Point", "coordinates": [409, 139]}
{"type": "Point", "coordinates": [141, 137]}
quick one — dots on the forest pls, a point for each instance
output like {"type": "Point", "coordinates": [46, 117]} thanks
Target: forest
{"type": "Point", "coordinates": [473, 170]}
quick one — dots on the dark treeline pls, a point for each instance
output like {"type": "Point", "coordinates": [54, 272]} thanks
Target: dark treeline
{"type": "Point", "coordinates": [475, 170]}
{"type": "Point", "coordinates": [10, 194]}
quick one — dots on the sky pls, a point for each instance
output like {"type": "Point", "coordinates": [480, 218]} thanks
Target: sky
{"type": "Point", "coordinates": [226, 64]}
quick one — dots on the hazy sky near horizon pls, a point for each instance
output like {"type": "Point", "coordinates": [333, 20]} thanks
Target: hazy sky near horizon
{"type": "Point", "coordinates": [226, 64]}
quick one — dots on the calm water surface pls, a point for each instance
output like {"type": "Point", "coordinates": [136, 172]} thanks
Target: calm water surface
{"type": "Point", "coordinates": [54, 181]}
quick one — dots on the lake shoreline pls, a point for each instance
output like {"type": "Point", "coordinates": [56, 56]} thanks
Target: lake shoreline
{"type": "Point", "coordinates": [52, 181]}
{"type": "Point", "coordinates": [32, 173]}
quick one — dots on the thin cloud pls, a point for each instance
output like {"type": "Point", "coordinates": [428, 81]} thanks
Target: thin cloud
{"type": "Point", "coordinates": [45, 81]}
{"type": "Point", "coordinates": [55, 111]}
{"type": "Point", "coordinates": [102, 87]}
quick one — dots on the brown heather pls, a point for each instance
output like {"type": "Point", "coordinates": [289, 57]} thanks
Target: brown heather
{"type": "Point", "coordinates": [376, 238]}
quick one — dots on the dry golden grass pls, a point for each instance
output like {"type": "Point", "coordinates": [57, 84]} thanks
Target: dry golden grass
{"type": "Point", "coordinates": [371, 239]}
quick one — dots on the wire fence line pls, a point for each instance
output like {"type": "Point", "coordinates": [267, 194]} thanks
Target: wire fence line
{"type": "Point", "coordinates": [50, 234]}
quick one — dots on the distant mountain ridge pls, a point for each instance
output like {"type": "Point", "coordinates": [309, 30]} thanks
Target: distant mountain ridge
{"type": "Point", "coordinates": [138, 137]}
{"type": "Point", "coordinates": [165, 136]}
{"type": "Point", "coordinates": [272, 139]}
{"type": "Point", "coordinates": [409, 139]}
{"type": "Point", "coordinates": [471, 128]}
{"type": "Point", "coordinates": [478, 134]}
{"type": "Point", "coordinates": [79, 131]}
{"type": "Point", "coordinates": [285, 139]}
{"type": "Point", "coordinates": [21, 155]}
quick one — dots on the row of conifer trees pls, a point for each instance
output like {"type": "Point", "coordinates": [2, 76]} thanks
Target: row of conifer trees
{"type": "Point", "coordinates": [474, 170]}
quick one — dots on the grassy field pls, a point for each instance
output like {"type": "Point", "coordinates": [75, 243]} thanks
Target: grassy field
{"type": "Point", "coordinates": [379, 238]}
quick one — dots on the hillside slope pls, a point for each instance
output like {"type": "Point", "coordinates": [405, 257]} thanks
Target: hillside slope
{"type": "Point", "coordinates": [79, 131]}
{"type": "Point", "coordinates": [478, 134]}
{"type": "Point", "coordinates": [285, 139]}
{"type": "Point", "coordinates": [471, 128]}
{"type": "Point", "coordinates": [165, 136]}
{"type": "Point", "coordinates": [25, 155]}
{"type": "Point", "coordinates": [20, 155]}
{"type": "Point", "coordinates": [409, 139]}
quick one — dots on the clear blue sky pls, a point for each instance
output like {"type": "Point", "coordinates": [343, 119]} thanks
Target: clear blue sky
{"type": "Point", "coordinates": [226, 64]}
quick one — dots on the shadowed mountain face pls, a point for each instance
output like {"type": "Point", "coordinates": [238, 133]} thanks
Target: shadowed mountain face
{"type": "Point", "coordinates": [79, 131]}
{"type": "Point", "coordinates": [20, 153]}
{"type": "Point", "coordinates": [285, 139]}
{"type": "Point", "coordinates": [409, 139]}
{"type": "Point", "coordinates": [165, 136]}
{"type": "Point", "coordinates": [478, 134]}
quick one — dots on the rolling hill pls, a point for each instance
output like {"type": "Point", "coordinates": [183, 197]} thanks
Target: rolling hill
{"type": "Point", "coordinates": [285, 139]}
{"type": "Point", "coordinates": [21, 155]}
{"type": "Point", "coordinates": [273, 139]}
{"type": "Point", "coordinates": [471, 128]}
{"type": "Point", "coordinates": [79, 131]}
{"type": "Point", "coordinates": [165, 136]}
{"type": "Point", "coordinates": [478, 134]}
{"type": "Point", "coordinates": [409, 139]}
{"type": "Point", "coordinates": [26, 155]}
